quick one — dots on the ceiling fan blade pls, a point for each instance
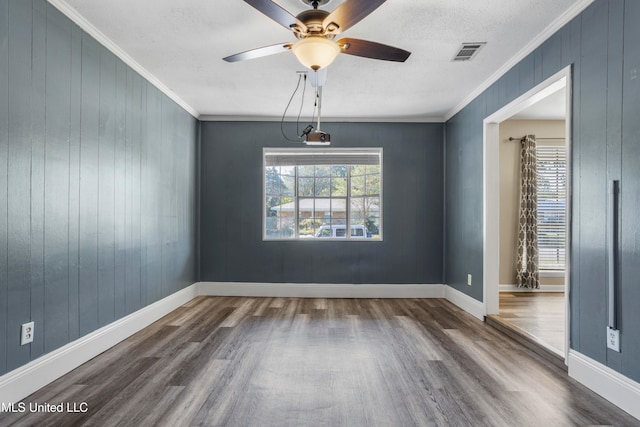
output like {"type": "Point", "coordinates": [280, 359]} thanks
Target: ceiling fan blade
{"type": "Point", "coordinates": [350, 13]}
{"type": "Point", "coordinates": [277, 13]}
{"type": "Point", "coordinates": [259, 52]}
{"type": "Point", "coordinates": [372, 50]}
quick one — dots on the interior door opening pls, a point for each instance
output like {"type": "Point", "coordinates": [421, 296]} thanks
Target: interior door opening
{"type": "Point", "coordinates": [541, 314]}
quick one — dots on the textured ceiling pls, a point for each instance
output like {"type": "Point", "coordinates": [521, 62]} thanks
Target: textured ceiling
{"type": "Point", "coordinates": [182, 44]}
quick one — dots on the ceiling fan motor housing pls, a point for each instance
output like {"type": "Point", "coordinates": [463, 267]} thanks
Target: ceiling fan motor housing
{"type": "Point", "coordinates": [313, 19]}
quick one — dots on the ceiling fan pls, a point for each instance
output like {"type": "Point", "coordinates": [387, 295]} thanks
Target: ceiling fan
{"type": "Point", "coordinates": [315, 30]}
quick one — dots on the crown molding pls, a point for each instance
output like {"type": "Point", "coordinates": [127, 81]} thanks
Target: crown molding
{"type": "Point", "coordinates": [223, 118]}
{"type": "Point", "coordinates": [537, 41]}
{"type": "Point", "coordinates": [105, 41]}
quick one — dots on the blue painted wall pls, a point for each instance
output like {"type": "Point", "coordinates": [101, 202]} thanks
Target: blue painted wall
{"type": "Point", "coordinates": [97, 185]}
{"type": "Point", "coordinates": [602, 46]}
{"type": "Point", "coordinates": [231, 209]}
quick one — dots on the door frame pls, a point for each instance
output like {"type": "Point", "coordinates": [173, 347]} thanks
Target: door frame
{"type": "Point", "coordinates": [491, 191]}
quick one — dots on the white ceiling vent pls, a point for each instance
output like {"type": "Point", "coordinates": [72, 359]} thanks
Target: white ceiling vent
{"type": "Point", "coordinates": [467, 51]}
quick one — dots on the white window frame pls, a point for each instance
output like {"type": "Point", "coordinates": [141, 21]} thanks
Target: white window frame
{"type": "Point", "coordinates": [338, 152]}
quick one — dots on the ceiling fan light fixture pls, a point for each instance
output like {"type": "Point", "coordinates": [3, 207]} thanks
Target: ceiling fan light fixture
{"type": "Point", "coordinates": [315, 52]}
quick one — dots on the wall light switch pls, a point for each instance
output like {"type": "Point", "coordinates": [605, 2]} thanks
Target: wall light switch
{"type": "Point", "coordinates": [469, 279]}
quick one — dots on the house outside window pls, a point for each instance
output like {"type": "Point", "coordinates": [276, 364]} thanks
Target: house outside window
{"type": "Point", "coordinates": [322, 194]}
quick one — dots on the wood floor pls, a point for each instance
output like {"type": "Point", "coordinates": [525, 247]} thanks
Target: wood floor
{"type": "Point", "coordinates": [538, 314]}
{"type": "Point", "coordinates": [227, 361]}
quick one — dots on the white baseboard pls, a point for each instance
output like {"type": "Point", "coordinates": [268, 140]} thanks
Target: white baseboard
{"type": "Point", "coordinates": [22, 382]}
{"type": "Point", "coordinates": [613, 386]}
{"type": "Point", "coordinates": [320, 290]}
{"type": "Point", "coordinates": [27, 379]}
{"type": "Point", "coordinates": [543, 288]}
{"type": "Point", "coordinates": [465, 302]}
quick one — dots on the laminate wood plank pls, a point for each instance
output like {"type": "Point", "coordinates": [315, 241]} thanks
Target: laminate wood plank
{"type": "Point", "coordinates": [302, 362]}
{"type": "Point", "coordinates": [100, 395]}
{"type": "Point", "coordinates": [540, 316]}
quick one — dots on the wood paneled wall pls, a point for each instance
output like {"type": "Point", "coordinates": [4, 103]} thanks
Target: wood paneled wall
{"type": "Point", "coordinates": [602, 46]}
{"type": "Point", "coordinates": [232, 249]}
{"type": "Point", "coordinates": [97, 185]}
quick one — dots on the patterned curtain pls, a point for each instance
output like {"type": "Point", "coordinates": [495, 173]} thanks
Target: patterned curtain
{"type": "Point", "coordinates": [527, 261]}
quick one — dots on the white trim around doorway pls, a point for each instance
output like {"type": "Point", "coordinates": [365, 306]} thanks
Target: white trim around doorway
{"type": "Point", "coordinates": [491, 182]}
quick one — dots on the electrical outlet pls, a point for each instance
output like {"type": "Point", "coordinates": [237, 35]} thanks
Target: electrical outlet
{"type": "Point", "coordinates": [613, 339]}
{"type": "Point", "coordinates": [469, 279]}
{"type": "Point", "coordinates": [27, 333]}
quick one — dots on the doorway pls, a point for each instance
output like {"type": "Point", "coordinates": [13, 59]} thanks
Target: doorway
{"type": "Point", "coordinates": [553, 90]}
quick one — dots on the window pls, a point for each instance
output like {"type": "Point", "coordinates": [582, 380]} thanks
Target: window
{"type": "Point", "coordinates": [552, 195]}
{"type": "Point", "coordinates": [321, 193]}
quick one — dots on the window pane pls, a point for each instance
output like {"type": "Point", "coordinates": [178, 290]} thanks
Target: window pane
{"type": "Point", "coordinates": [307, 221]}
{"type": "Point", "coordinates": [358, 170]}
{"type": "Point", "coordinates": [287, 227]}
{"type": "Point", "coordinates": [307, 227]}
{"type": "Point", "coordinates": [305, 187]}
{"type": "Point", "coordinates": [308, 170]}
{"type": "Point", "coordinates": [339, 211]}
{"type": "Point", "coordinates": [357, 211]}
{"type": "Point", "coordinates": [338, 186]}
{"type": "Point", "coordinates": [288, 185]}
{"type": "Point", "coordinates": [322, 208]}
{"type": "Point", "coordinates": [272, 181]}
{"type": "Point", "coordinates": [373, 169]}
{"type": "Point", "coordinates": [273, 206]}
{"type": "Point", "coordinates": [324, 232]}
{"type": "Point", "coordinates": [357, 185]}
{"type": "Point", "coordinates": [288, 170]}
{"type": "Point", "coordinates": [306, 208]}
{"type": "Point", "coordinates": [323, 187]}
{"type": "Point", "coordinates": [373, 184]}
{"type": "Point", "coordinates": [323, 171]}
{"type": "Point", "coordinates": [272, 227]}
{"type": "Point", "coordinates": [372, 207]}
{"type": "Point", "coordinates": [339, 171]}
{"type": "Point", "coordinates": [372, 223]}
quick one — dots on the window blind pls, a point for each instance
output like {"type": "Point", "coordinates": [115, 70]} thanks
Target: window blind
{"type": "Point", "coordinates": [311, 156]}
{"type": "Point", "coordinates": [552, 206]}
